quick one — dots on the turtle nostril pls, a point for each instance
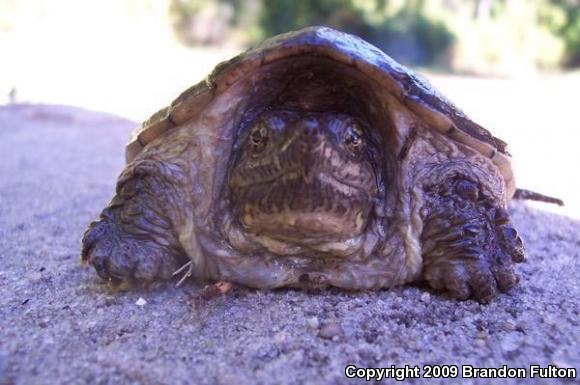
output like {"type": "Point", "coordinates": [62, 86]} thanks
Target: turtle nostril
{"type": "Point", "coordinates": [310, 131]}
{"type": "Point", "coordinates": [310, 136]}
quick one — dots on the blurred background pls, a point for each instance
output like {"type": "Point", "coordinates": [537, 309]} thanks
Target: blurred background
{"type": "Point", "coordinates": [512, 65]}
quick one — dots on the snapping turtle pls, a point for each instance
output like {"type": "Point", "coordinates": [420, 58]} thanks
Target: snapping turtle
{"type": "Point", "coordinates": [312, 160]}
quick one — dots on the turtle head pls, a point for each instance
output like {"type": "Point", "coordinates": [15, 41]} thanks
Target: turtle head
{"type": "Point", "coordinates": [302, 175]}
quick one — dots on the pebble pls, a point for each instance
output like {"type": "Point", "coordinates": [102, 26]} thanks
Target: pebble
{"type": "Point", "coordinates": [330, 330]}
{"type": "Point", "coordinates": [141, 302]}
{"type": "Point", "coordinates": [425, 297]}
{"type": "Point", "coordinates": [509, 326]}
{"type": "Point", "coordinates": [89, 325]}
{"type": "Point", "coordinates": [510, 343]}
{"type": "Point", "coordinates": [281, 338]}
{"type": "Point", "coordinates": [551, 320]}
{"type": "Point", "coordinates": [313, 322]}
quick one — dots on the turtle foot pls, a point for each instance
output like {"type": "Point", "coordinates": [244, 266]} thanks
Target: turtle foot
{"type": "Point", "coordinates": [120, 257]}
{"type": "Point", "coordinates": [469, 244]}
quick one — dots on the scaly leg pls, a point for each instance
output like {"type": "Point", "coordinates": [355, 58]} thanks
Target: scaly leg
{"type": "Point", "coordinates": [468, 243]}
{"type": "Point", "coordinates": [135, 237]}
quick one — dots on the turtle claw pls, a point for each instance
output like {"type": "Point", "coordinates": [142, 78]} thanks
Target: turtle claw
{"type": "Point", "coordinates": [462, 280]}
{"type": "Point", "coordinates": [470, 247]}
{"type": "Point", "coordinates": [118, 257]}
{"type": "Point", "coordinates": [466, 278]}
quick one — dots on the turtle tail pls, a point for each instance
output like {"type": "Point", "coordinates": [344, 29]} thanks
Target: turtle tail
{"type": "Point", "coordinates": [534, 196]}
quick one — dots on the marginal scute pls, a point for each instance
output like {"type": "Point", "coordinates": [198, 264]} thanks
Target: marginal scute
{"type": "Point", "coordinates": [435, 119]}
{"type": "Point", "coordinates": [503, 162]}
{"type": "Point", "coordinates": [155, 131]}
{"type": "Point", "coordinates": [184, 110]}
{"type": "Point", "coordinates": [408, 87]}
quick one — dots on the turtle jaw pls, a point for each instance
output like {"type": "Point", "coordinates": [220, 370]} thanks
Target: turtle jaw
{"type": "Point", "coordinates": [300, 209]}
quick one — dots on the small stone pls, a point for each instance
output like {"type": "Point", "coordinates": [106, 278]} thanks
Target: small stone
{"type": "Point", "coordinates": [281, 338]}
{"type": "Point", "coordinates": [509, 326]}
{"type": "Point", "coordinates": [481, 342]}
{"type": "Point", "coordinates": [510, 343]}
{"type": "Point", "coordinates": [90, 325]}
{"type": "Point", "coordinates": [44, 323]}
{"type": "Point", "coordinates": [331, 331]}
{"type": "Point", "coordinates": [313, 323]}
{"type": "Point", "coordinates": [551, 320]}
{"type": "Point", "coordinates": [141, 302]}
{"type": "Point", "coordinates": [425, 297]}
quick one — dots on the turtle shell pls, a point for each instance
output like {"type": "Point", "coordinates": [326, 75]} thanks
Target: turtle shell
{"type": "Point", "coordinates": [333, 48]}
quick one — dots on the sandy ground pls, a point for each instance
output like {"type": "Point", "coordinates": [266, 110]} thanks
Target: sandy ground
{"type": "Point", "coordinates": [59, 324]}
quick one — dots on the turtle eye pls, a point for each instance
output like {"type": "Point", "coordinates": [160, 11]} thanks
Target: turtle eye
{"type": "Point", "coordinates": [259, 137]}
{"type": "Point", "coordinates": [353, 137]}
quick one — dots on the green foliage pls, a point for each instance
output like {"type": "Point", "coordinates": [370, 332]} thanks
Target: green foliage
{"type": "Point", "coordinates": [409, 35]}
{"type": "Point", "coordinates": [484, 36]}
{"type": "Point", "coordinates": [181, 12]}
{"type": "Point", "coordinates": [279, 16]}
{"type": "Point", "coordinates": [412, 37]}
{"type": "Point", "coordinates": [505, 38]}
{"type": "Point", "coordinates": [562, 17]}
{"type": "Point", "coordinates": [209, 22]}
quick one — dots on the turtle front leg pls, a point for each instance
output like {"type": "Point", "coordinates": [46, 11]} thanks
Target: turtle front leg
{"type": "Point", "coordinates": [468, 242]}
{"type": "Point", "coordinates": [135, 238]}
